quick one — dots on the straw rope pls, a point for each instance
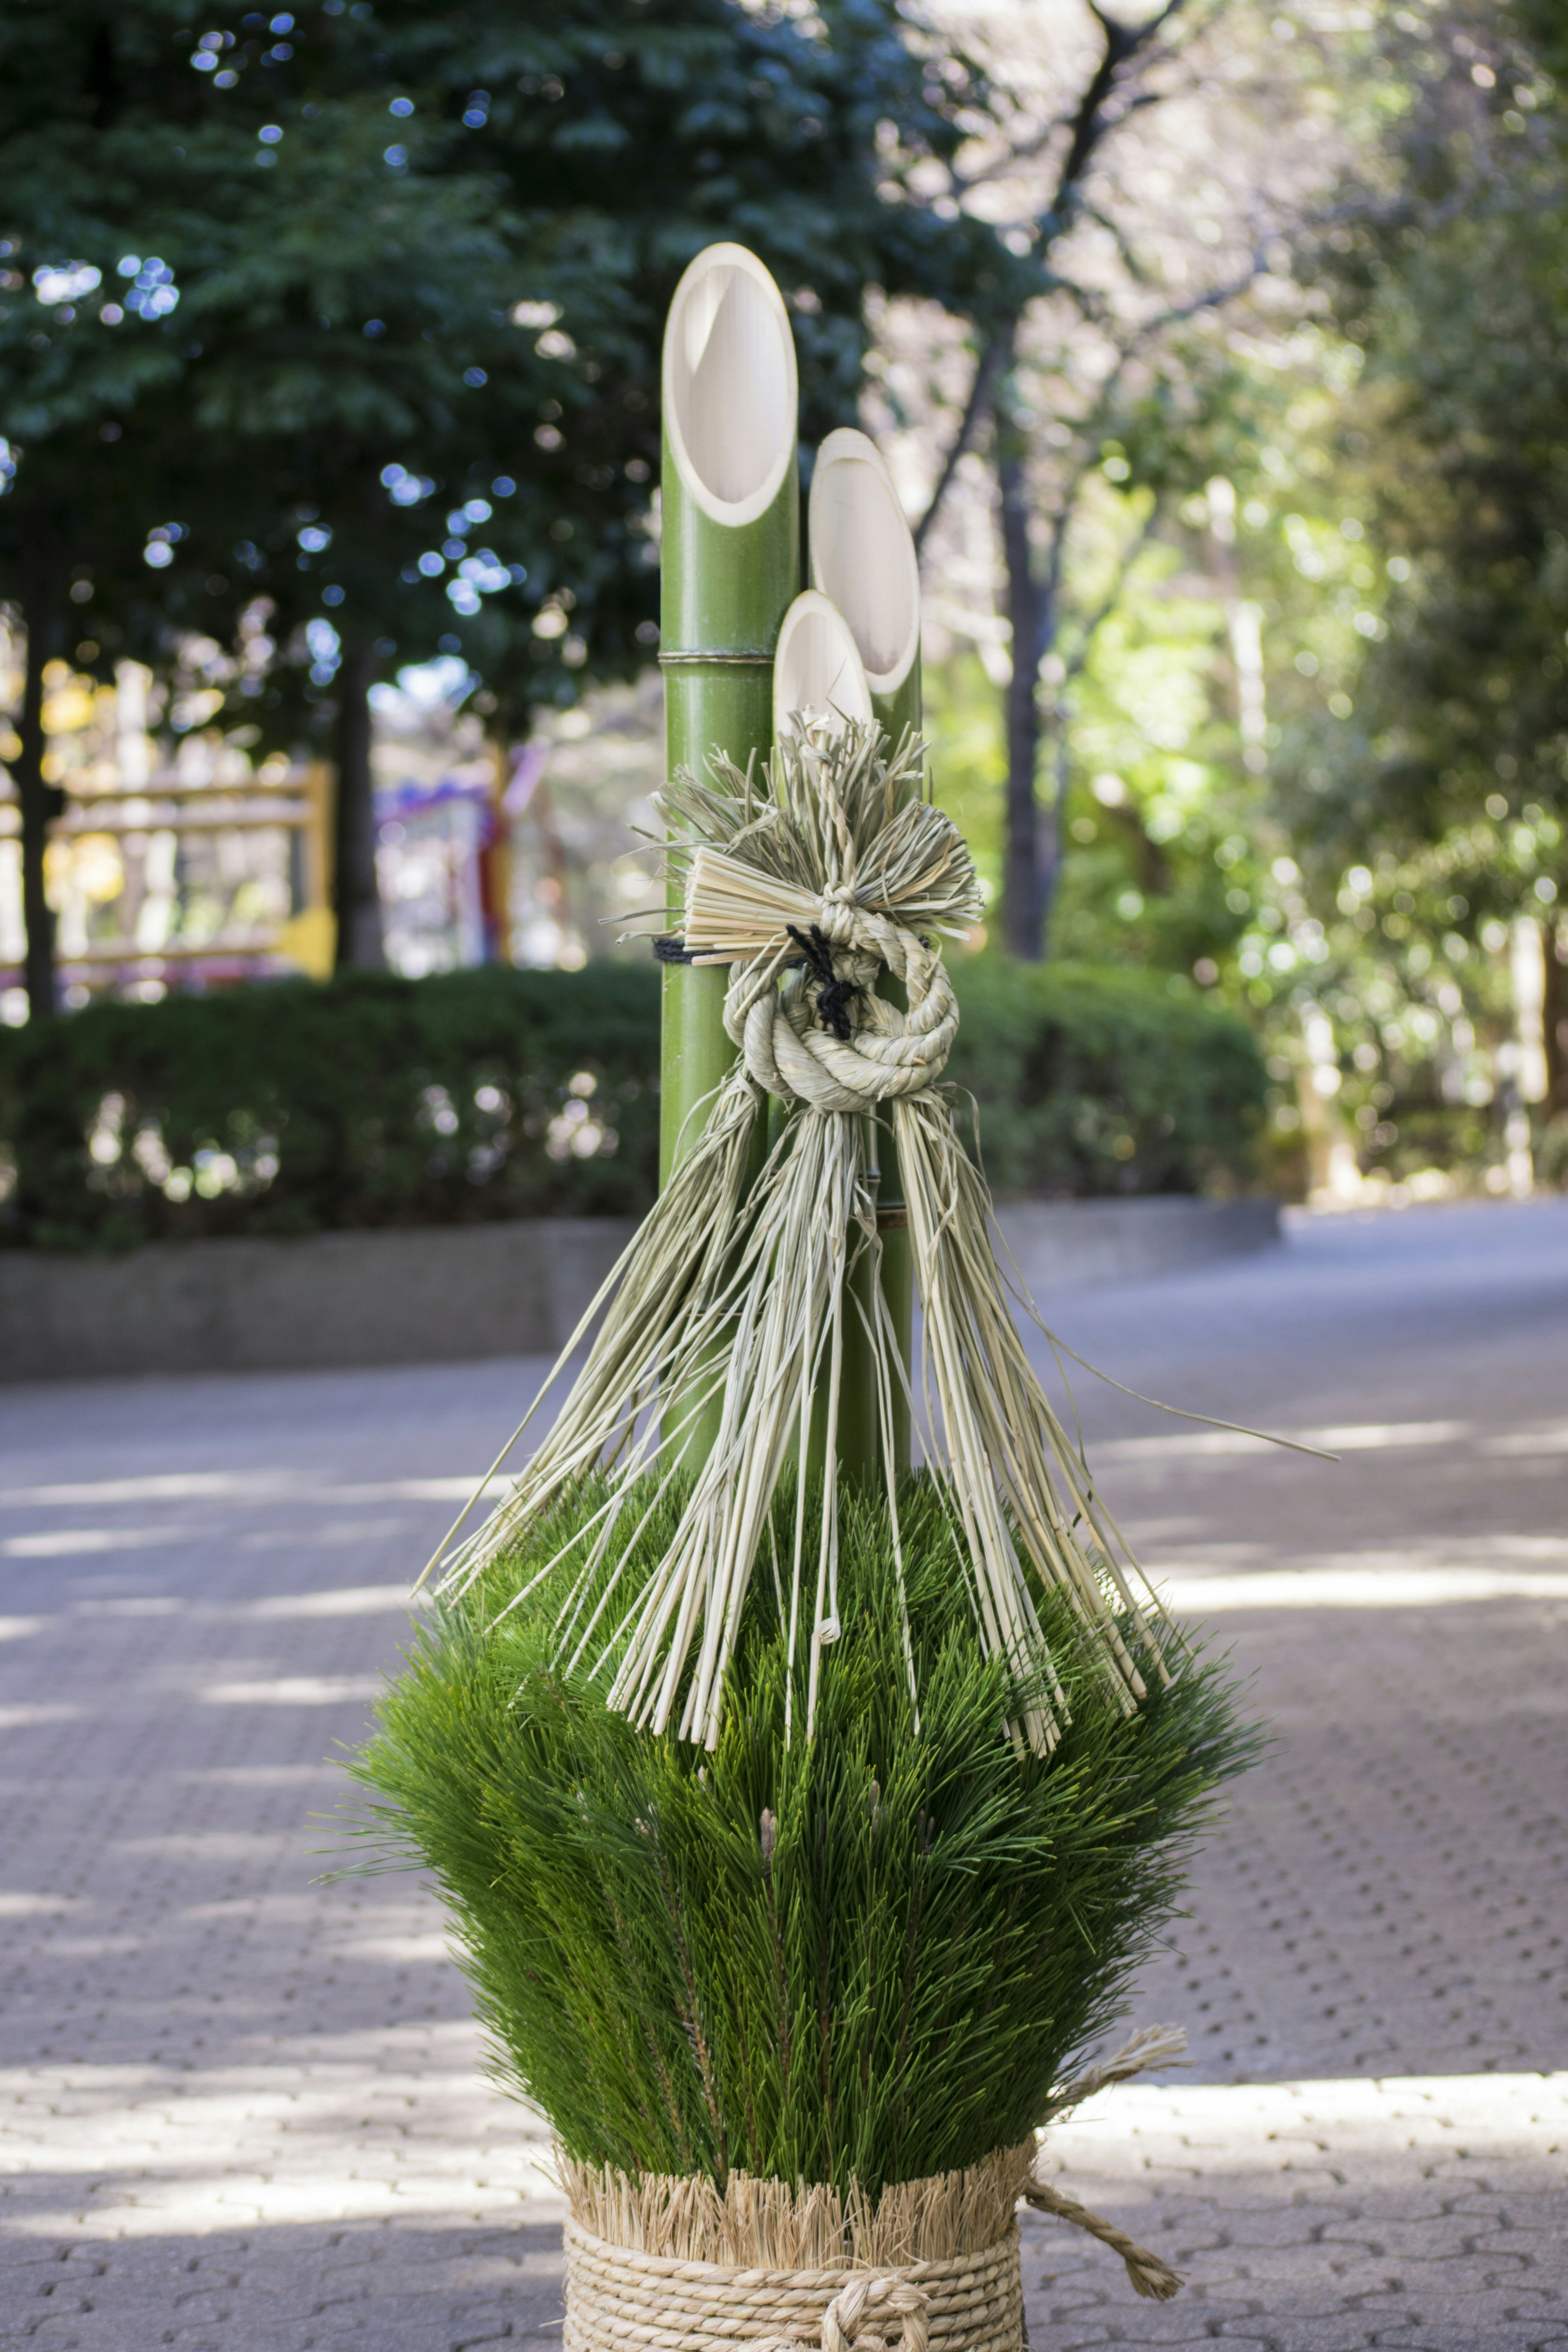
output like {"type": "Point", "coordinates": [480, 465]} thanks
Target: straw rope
{"type": "Point", "coordinates": [891, 1053]}
{"type": "Point", "coordinates": [1150, 2275]}
{"type": "Point", "coordinates": [674, 2264]}
{"type": "Point", "coordinates": [1152, 2047]}
{"type": "Point", "coordinates": [617, 2296]}
{"type": "Point", "coordinates": [744, 1296]}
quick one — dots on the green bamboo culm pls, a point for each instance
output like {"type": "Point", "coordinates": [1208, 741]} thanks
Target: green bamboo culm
{"type": "Point", "coordinates": [870, 1956]}
{"type": "Point", "coordinates": [861, 556]}
{"type": "Point", "coordinates": [729, 564]}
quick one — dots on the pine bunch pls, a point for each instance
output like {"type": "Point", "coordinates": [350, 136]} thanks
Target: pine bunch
{"type": "Point", "coordinates": [865, 1957]}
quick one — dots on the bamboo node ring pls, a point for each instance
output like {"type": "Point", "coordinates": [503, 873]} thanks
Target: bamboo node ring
{"type": "Point", "coordinates": [675, 659]}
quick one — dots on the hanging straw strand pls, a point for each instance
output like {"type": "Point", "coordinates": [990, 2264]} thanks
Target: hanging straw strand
{"type": "Point", "coordinates": [731, 1300]}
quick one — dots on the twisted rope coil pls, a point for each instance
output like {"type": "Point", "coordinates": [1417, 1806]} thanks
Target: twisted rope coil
{"type": "Point", "coordinates": [891, 1053]}
{"type": "Point", "coordinates": [620, 2296]}
{"type": "Point", "coordinates": [834, 852]}
{"type": "Point", "coordinates": [617, 2296]}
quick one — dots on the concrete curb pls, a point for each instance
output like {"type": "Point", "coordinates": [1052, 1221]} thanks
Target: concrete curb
{"type": "Point", "coordinates": [1081, 1245]}
{"type": "Point", "coordinates": [442, 1294]}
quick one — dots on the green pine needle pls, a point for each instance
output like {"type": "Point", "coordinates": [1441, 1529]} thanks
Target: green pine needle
{"type": "Point", "coordinates": [867, 1956]}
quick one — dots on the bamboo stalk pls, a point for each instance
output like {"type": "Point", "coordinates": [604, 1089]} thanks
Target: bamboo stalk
{"type": "Point", "coordinates": [861, 556]}
{"type": "Point", "coordinates": [817, 670]}
{"type": "Point", "coordinates": [818, 674]}
{"type": "Point", "coordinates": [730, 563]}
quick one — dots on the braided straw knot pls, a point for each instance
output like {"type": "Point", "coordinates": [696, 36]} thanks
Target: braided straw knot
{"type": "Point", "coordinates": [840, 909]}
{"type": "Point", "coordinates": [789, 1053]}
{"type": "Point", "coordinates": [855, 2317]}
{"type": "Point", "coordinates": [859, 2316]}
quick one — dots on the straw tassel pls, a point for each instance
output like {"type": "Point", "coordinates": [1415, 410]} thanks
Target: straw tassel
{"type": "Point", "coordinates": [808, 889]}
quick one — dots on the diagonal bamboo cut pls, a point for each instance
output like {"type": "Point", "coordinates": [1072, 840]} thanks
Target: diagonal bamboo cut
{"type": "Point", "coordinates": [729, 565]}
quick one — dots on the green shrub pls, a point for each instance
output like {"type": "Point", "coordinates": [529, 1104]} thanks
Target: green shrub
{"type": "Point", "coordinates": [369, 1101]}
{"type": "Point", "coordinates": [1090, 1081]}
{"type": "Point", "coordinates": [376, 1101]}
{"type": "Point", "coordinates": [868, 1955]}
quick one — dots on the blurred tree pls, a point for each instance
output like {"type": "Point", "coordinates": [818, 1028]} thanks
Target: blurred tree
{"type": "Point", "coordinates": [1545, 32]}
{"type": "Point", "coordinates": [1316, 748]}
{"type": "Point", "coordinates": [1136, 239]}
{"type": "Point", "coordinates": [1450, 754]}
{"type": "Point", "coordinates": [333, 273]}
{"type": "Point", "coordinates": [79, 355]}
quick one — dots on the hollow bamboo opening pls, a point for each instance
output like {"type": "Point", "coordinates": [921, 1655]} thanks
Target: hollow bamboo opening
{"type": "Point", "coordinates": [730, 384]}
{"type": "Point", "coordinates": [817, 667]}
{"type": "Point", "coordinates": [863, 556]}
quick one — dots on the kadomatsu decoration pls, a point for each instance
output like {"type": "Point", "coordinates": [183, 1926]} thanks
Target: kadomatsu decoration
{"type": "Point", "coordinates": [800, 1816]}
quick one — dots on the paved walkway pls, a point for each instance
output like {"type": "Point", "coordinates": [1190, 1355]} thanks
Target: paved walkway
{"type": "Point", "coordinates": [240, 2110]}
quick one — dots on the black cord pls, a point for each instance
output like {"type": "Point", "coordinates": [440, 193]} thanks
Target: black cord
{"type": "Point", "coordinates": [833, 994]}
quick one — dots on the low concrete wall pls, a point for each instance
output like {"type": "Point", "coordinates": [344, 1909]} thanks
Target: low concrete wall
{"type": "Point", "coordinates": [403, 1297]}
{"type": "Point", "coordinates": [442, 1293]}
{"type": "Point", "coordinates": [1074, 1245]}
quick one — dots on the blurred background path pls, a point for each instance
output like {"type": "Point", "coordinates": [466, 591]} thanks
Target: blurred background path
{"type": "Point", "coordinates": [240, 2109]}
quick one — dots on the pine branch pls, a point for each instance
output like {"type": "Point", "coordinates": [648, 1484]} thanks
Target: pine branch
{"type": "Point", "coordinates": [655, 1994]}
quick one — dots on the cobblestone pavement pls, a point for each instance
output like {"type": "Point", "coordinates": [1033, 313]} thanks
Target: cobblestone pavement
{"type": "Point", "coordinates": [241, 2110]}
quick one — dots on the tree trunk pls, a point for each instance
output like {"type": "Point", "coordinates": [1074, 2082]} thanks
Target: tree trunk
{"type": "Point", "coordinates": [1555, 1016]}
{"type": "Point", "coordinates": [1055, 730]}
{"type": "Point", "coordinates": [1029, 873]}
{"type": "Point", "coordinates": [356, 900]}
{"type": "Point", "coordinates": [40, 801]}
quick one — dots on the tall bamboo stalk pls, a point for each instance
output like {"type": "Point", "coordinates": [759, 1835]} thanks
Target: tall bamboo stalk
{"type": "Point", "coordinates": [731, 561]}
{"type": "Point", "coordinates": [863, 557]}
{"type": "Point", "coordinates": [818, 670]}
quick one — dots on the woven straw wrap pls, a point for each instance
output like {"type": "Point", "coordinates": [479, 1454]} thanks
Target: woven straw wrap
{"type": "Point", "coordinates": [617, 2295]}
{"type": "Point", "coordinates": [674, 2264]}
{"type": "Point", "coordinates": [677, 2265]}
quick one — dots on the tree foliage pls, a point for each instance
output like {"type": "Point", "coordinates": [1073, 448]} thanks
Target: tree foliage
{"type": "Point", "coordinates": [358, 310]}
{"type": "Point", "coordinates": [1443, 772]}
{"type": "Point", "coordinates": [1314, 754]}
{"type": "Point", "coordinates": [1454, 447]}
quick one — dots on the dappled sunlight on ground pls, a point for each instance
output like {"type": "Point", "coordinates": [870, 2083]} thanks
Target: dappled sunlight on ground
{"type": "Point", "coordinates": [242, 2109]}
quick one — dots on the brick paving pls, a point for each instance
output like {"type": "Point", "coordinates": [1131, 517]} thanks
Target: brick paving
{"type": "Point", "coordinates": [242, 2110]}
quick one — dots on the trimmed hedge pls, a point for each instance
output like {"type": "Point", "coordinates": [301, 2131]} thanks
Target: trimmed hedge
{"type": "Point", "coordinates": [1092, 1082]}
{"type": "Point", "coordinates": [294, 1108]}
{"type": "Point", "coordinates": [369, 1101]}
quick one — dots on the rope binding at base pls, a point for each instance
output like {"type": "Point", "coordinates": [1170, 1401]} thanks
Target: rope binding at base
{"type": "Point", "coordinates": [673, 2264]}
{"type": "Point", "coordinates": [971, 2302]}
{"type": "Point", "coordinates": [619, 2295]}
